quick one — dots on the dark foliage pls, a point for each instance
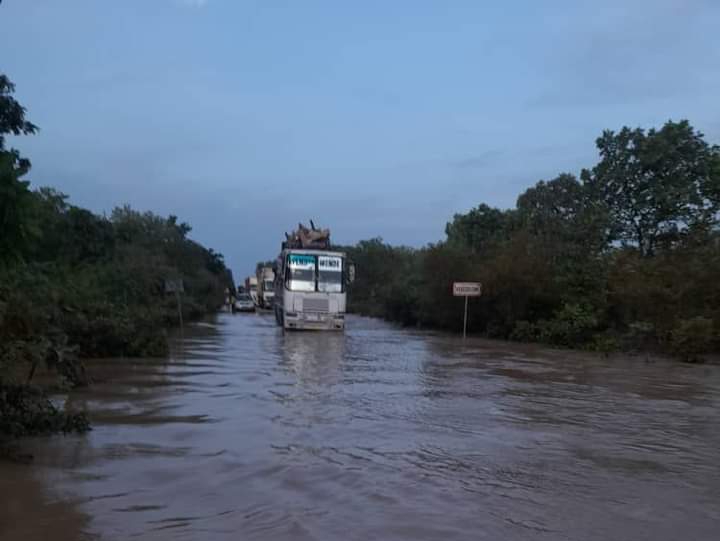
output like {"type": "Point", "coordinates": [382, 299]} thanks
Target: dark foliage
{"type": "Point", "coordinates": [626, 257]}
{"type": "Point", "coordinates": [74, 284]}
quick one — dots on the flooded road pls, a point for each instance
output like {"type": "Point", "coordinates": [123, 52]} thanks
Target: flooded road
{"type": "Point", "coordinates": [379, 433]}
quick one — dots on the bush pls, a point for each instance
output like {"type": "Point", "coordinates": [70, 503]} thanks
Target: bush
{"type": "Point", "coordinates": [640, 335]}
{"type": "Point", "coordinates": [572, 326]}
{"type": "Point", "coordinates": [692, 337]}
{"type": "Point", "coordinates": [26, 411]}
{"type": "Point", "coordinates": [525, 331]}
{"type": "Point", "coordinates": [604, 343]}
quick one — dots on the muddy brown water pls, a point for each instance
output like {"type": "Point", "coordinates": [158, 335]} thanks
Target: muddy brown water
{"type": "Point", "coordinates": [378, 433]}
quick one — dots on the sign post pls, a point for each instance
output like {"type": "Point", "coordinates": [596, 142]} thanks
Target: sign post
{"type": "Point", "coordinates": [466, 289]}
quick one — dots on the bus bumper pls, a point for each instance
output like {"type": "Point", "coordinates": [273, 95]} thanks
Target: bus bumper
{"type": "Point", "coordinates": [318, 322]}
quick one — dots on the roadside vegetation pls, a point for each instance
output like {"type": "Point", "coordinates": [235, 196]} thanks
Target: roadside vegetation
{"type": "Point", "coordinates": [74, 284]}
{"type": "Point", "coordinates": [625, 256]}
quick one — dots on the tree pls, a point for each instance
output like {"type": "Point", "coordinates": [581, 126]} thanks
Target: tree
{"type": "Point", "coordinates": [15, 196]}
{"type": "Point", "coordinates": [564, 210]}
{"type": "Point", "coordinates": [479, 228]}
{"type": "Point", "coordinates": [12, 114]}
{"type": "Point", "coordinates": [147, 228]}
{"type": "Point", "coordinates": [567, 223]}
{"type": "Point", "coordinates": [15, 204]}
{"type": "Point", "coordinates": [657, 185]}
{"type": "Point", "coordinates": [552, 204]}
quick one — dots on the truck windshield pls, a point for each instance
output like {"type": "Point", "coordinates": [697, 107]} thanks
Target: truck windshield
{"type": "Point", "coordinates": [306, 272]}
{"type": "Point", "coordinates": [301, 272]}
{"type": "Point", "coordinates": [268, 285]}
{"type": "Point", "coordinates": [330, 274]}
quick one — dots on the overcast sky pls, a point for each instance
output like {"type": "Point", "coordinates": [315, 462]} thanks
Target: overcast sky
{"type": "Point", "coordinates": [373, 117]}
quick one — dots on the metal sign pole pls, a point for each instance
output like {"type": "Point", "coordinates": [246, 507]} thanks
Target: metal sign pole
{"type": "Point", "coordinates": [465, 319]}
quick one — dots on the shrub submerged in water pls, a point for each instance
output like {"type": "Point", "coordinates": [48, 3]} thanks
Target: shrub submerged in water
{"type": "Point", "coordinates": [691, 338]}
{"type": "Point", "coordinates": [25, 410]}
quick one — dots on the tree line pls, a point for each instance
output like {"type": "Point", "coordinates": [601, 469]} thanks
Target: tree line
{"type": "Point", "coordinates": [624, 256]}
{"type": "Point", "coordinates": [76, 284]}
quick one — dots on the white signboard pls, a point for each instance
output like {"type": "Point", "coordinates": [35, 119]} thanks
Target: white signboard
{"type": "Point", "coordinates": [467, 289]}
{"type": "Point", "coordinates": [174, 286]}
{"type": "Point", "coordinates": [329, 263]}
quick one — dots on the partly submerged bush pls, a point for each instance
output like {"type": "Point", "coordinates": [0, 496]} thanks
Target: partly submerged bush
{"type": "Point", "coordinates": [25, 410]}
{"type": "Point", "coordinates": [693, 337]}
{"type": "Point", "coordinates": [572, 326]}
{"type": "Point", "coordinates": [524, 331]}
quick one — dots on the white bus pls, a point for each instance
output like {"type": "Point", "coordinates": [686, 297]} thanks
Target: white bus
{"type": "Point", "coordinates": [310, 289]}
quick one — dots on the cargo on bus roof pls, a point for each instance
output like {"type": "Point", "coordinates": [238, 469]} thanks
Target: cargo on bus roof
{"type": "Point", "coordinates": [312, 238]}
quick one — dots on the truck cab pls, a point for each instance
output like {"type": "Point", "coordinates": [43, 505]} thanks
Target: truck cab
{"type": "Point", "coordinates": [266, 287]}
{"type": "Point", "coordinates": [310, 289]}
{"type": "Point", "coordinates": [251, 288]}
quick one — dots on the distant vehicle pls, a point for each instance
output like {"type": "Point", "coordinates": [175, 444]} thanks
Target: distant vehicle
{"type": "Point", "coordinates": [251, 288]}
{"type": "Point", "coordinates": [266, 287]}
{"type": "Point", "coordinates": [244, 303]}
{"type": "Point", "coordinates": [310, 284]}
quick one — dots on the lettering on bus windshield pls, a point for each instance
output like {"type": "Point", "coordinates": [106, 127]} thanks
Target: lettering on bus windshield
{"type": "Point", "coordinates": [329, 263]}
{"type": "Point", "coordinates": [299, 261]}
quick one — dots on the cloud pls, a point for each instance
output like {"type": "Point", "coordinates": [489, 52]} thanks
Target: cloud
{"type": "Point", "coordinates": [195, 3]}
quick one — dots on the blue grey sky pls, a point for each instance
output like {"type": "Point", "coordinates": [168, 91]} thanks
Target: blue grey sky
{"type": "Point", "coordinates": [374, 117]}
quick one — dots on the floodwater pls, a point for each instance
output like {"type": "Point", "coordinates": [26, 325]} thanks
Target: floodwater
{"type": "Point", "coordinates": [378, 433]}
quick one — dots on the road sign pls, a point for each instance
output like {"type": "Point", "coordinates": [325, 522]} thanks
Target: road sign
{"type": "Point", "coordinates": [467, 289]}
{"type": "Point", "coordinates": [174, 286]}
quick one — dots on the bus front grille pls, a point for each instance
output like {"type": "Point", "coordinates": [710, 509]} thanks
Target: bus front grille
{"type": "Point", "coordinates": [315, 305]}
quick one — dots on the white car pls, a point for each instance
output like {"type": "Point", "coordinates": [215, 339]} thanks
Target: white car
{"type": "Point", "coordinates": [244, 303]}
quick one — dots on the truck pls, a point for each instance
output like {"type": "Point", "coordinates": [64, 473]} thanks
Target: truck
{"type": "Point", "coordinates": [265, 287]}
{"type": "Point", "coordinates": [311, 282]}
{"type": "Point", "coordinates": [251, 288]}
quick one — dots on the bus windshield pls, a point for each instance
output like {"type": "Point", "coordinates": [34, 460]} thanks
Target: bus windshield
{"type": "Point", "coordinates": [330, 274]}
{"type": "Point", "coordinates": [308, 272]}
{"type": "Point", "coordinates": [301, 272]}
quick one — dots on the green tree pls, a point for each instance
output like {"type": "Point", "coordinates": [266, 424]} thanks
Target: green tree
{"type": "Point", "coordinates": [478, 229]}
{"type": "Point", "coordinates": [69, 234]}
{"type": "Point", "coordinates": [12, 114]}
{"type": "Point", "coordinates": [15, 198]}
{"type": "Point", "coordinates": [570, 229]}
{"type": "Point", "coordinates": [657, 185]}
{"type": "Point", "coordinates": [147, 228]}
{"type": "Point", "coordinates": [385, 280]}
{"type": "Point", "coordinates": [548, 201]}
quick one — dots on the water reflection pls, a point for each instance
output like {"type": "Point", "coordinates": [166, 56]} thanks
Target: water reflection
{"type": "Point", "coordinates": [314, 358]}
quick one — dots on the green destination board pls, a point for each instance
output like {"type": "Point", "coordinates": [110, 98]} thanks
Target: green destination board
{"type": "Point", "coordinates": [300, 260]}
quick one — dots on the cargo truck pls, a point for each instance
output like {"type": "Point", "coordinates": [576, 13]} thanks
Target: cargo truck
{"type": "Point", "coordinates": [265, 287]}
{"type": "Point", "coordinates": [251, 288]}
